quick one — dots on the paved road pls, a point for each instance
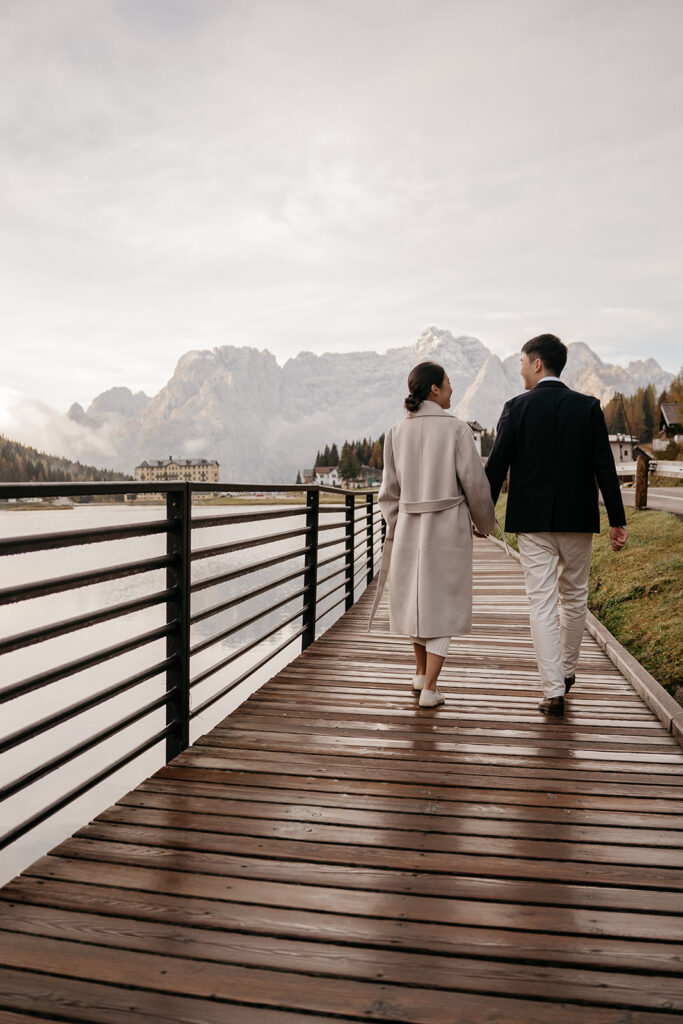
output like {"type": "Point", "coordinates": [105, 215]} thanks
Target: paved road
{"type": "Point", "coordinates": [667, 499]}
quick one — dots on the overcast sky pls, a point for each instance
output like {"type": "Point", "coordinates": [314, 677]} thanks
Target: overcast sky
{"type": "Point", "coordinates": [332, 175]}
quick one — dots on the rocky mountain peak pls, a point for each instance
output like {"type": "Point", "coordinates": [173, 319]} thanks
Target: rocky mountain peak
{"type": "Point", "coordinates": [264, 422]}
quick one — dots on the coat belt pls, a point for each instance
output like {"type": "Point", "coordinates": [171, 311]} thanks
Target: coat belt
{"type": "Point", "coordinates": [411, 508]}
{"type": "Point", "coordinates": [418, 507]}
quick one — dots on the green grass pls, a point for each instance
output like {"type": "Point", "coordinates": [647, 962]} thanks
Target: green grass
{"type": "Point", "coordinates": [638, 592]}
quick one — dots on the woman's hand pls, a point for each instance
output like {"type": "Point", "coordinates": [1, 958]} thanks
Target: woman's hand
{"type": "Point", "coordinates": [476, 533]}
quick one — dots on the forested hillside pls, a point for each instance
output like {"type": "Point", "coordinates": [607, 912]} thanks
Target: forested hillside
{"type": "Point", "coordinates": [21, 464]}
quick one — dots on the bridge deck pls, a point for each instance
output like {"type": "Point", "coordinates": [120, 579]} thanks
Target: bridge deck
{"type": "Point", "coordinates": [331, 851]}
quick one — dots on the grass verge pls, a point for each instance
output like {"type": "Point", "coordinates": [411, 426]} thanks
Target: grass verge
{"type": "Point", "coordinates": [638, 593]}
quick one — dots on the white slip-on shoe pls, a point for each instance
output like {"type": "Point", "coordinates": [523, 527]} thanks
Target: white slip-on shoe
{"type": "Point", "coordinates": [430, 698]}
{"type": "Point", "coordinates": [419, 682]}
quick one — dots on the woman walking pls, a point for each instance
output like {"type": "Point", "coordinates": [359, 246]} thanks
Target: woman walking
{"type": "Point", "coordinates": [433, 488]}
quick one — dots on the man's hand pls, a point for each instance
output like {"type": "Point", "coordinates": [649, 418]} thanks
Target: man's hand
{"type": "Point", "coordinates": [618, 536]}
{"type": "Point", "coordinates": [476, 533]}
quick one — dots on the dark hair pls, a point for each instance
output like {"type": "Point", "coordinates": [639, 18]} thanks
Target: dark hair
{"type": "Point", "coordinates": [550, 350]}
{"type": "Point", "coordinates": [420, 382]}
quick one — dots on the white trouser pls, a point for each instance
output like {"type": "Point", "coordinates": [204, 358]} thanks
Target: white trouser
{"type": "Point", "coordinates": [434, 644]}
{"type": "Point", "coordinates": [556, 567]}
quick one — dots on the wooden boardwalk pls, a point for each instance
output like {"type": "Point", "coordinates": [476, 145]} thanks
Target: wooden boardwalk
{"type": "Point", "coordinates": [333, 852]}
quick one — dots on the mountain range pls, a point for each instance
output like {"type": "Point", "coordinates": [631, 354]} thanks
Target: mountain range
{"type": "Point", "coordinates": [263, 421]}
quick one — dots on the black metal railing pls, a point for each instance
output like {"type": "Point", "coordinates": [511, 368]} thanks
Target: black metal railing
{"type": "Point", "coordinates": [330, 552]}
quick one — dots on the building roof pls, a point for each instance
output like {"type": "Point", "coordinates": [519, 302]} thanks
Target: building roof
{"type": "Point", "coordinates": [475, 425]}
{"type": "Point", "coordinates": [324, 470]}
{"type": "Point", "coordinates": [149, 463]}
{"type": "Point", "coordinates": [671, 414]}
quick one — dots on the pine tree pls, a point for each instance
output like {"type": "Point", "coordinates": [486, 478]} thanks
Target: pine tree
{"type": "Point", "coordinates": [648, 413]}
{"type": "Point", "coordinates": [614, 414]}
{"type": "Point", "coordinates": [376, 456]}
{"type": "Point", "coordinates": [487, 439]}
{"type": "Point", "coordinates": [349, 464]}
{"type": "Point", "coordinates": [298, 477]}
{"type": "Point", "coordinates": [334, 456]}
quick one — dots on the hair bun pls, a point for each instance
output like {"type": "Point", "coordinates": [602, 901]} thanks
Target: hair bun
{"type": "Point", "coordinates": [412, 402]}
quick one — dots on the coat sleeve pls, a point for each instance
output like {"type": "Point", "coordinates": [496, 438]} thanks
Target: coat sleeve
{"type": "Point", "coordinates": [475, 484]}
{"type": "Point", "coordinates": [390, 490]}
{"type": "Point", "coordinates": [500, 457]}
{"type": "Point", "coordinates": [605, 470]}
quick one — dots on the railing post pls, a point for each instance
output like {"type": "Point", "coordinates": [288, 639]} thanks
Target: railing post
{"type": "Point", "coordinates": [349, 546]}
{"type": "Point", "coordinates": [370, 534]}
{"type": "Point", "coordinates": [642, 468]}
{"type": "Point", "coordinates": [311, 568]}
{"type": "Point", "coordinates": [178, 510]}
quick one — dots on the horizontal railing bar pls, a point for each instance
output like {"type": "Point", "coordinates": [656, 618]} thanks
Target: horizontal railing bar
{"type": "Point", "coordinates": [330, 576]}
{"type": "Point", "coordinates": [330, 609]}
{"type": "Point", "coordinates": [332, 558]}
{"type": "Point", "coordinates": [12, 788]}
{"type": "Point", "coordinates": [329, 509]}
{"type": "Point", "coordinates": [331, 526]}
{"type": "Point", "coordinates": [241, 545]}
{"type": "Point", "coordinates": [88, 661]}
{"type": "Point", "coordinates": [330, 543]}
{"type": "Point", "coordinates": [216, 609]}
{"type": "Point", "coordinates": [225, 577]}
{"type": "Point", "coordinates": [69, 538]}
{"type": "Point", "coordinates": [245, 675]}
{"type": "Point", "coordinates": [330, 592]}
{"type": "Point", "coordinates": [115, 611]}
{"type": "Point", "coordinates": [20, 830]}
{"type": "Point", "coordinates": [321, 597]}
{"type": "Point", "coordinates": [56, 489]}
{"type": "Point", "coordinates": [359, 571]}
{"type": "Point", "coordinates": [205, 644]}
{"type": "Point", "coordinates": [29, 732]}
{"type": "Point", "coordinates": [57, 585]}
{"type": "Point", "coordinates": [204, 522]}
{"type": "Point", "coordinates": [237, 654]}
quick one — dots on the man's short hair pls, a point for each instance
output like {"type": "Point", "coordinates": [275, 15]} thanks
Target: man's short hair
{"type": "Point", "coordinates": [550, 350]}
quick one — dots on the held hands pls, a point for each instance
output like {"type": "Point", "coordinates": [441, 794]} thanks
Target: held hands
{"type": "Point", "coordinates": [618, 536]}
{"type": "Point", "coordinates": [476, 533]}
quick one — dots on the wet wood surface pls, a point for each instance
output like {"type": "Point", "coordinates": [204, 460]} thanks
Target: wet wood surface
{"type": "Point", "coordinates": [331, 851]}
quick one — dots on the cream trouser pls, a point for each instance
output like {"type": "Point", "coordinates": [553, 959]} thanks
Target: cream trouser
{"type": "Point", "coordinates": [556, 568]}
{"type": "Point", "coordinates": [434, 644]}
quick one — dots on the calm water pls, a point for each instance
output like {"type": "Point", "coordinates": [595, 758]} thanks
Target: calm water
{"type": "Point", "coordinates": [29, 615]}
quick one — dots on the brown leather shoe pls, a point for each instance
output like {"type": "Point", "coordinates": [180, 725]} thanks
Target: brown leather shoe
{"type": "Point", "coordinates": [568, 683]}
{"type": "Point", "coordinates": [553, 706]}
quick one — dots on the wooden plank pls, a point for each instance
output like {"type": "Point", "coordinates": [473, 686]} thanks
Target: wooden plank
{"type": "Point", "coordinates": [368, 904]}
{"type": "Point", "coordinates": [503, 788]}
{"type": "Point", "coordinates": [329, 963]}
{"type": "Point", "coordinates": [418, 860]}
{"type": "Point", "coordinates": [462, 824]}
{"type": "Point", "coordinates": [31, 991]}
{"type": "Point", "coordinates": [471, 803]}
{"type": "Point", "coordinates": [364, 876]}
{"type": "Point", "coordinates": [613, 953]}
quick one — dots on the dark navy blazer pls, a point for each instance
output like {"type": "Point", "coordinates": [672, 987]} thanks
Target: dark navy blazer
{"type": "Point", "coordinates": [554, 442]}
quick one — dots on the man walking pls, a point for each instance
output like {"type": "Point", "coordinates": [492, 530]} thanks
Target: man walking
{"type": "Point", "coordinates": [554, 442]}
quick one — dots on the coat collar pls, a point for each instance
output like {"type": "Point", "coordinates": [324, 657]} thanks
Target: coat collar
{"type": "Point", "coordinates": [429, 408]}
{"type": "Point", "coordinates": [546, 383]}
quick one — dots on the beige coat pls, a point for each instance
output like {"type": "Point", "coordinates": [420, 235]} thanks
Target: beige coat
{"type": "Point", "coordinates": [430, 457]}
